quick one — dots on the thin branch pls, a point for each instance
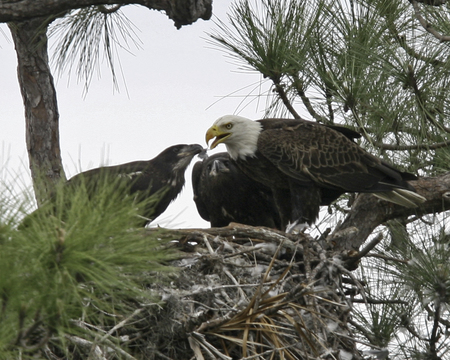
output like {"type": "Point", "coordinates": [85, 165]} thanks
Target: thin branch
{"type": "Point", "coordinates": [444, 322]}
{"type": "Point", "coordinates": [434, 332]}
{"type": "Point", "coordinates": [374, 242]}
{"type": "Point", "coordinates": [408, 49]}
{"type": "Point", "coordinates": [121, 324]}
{"type": "Point", "coordinates": [300, 91]}
{"type": "Point", "coordinates": [410, 147]}
{"type": "Point", "coordinates": [426, 25]}
{"type": "Point", "coordinates": [377, 302]}
{"type": "Point", "coordinates": [387, 258]}
{"type": "Point", "coordinates": [283, 96]}
{"type": "Point", "coordinates": [413, 53]}
{"type": "Point", "coordinates": [95, 352]}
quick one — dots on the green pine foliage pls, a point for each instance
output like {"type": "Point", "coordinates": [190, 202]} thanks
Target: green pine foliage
{"type": "Point", "coordinates": [84, 261]}
{"type": "Point", "coordinates": [87, 36]}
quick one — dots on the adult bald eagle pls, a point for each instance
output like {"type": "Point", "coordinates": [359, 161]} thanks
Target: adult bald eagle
{"type": "Point", "coordinates": [307, 164]}
{"type": "Point", "coordinates": [163, 174]}
{"type": "Point", "coordinates": [224, 194]}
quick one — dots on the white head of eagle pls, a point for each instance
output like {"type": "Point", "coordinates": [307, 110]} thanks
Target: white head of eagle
{"type": "Point", "coordinates": [239, 134]}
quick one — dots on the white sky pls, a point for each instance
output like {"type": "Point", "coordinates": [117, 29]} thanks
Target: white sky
{"type": "Point", "coordinates": [174, 85]}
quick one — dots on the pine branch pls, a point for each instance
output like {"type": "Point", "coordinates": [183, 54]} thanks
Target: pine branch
{"type": "Point", "coordinates": [426, 25]}
{"type": "Point", "coordinates": [431, 313]}
{"type": "Point", "coordinates": [434, 331]}
{"type": "Point", "coordinates": [387, 258]}
{"type": "Point", "coordinates": [434, 146]}
{"type": "Point", "coordinates": [300, 91]}
{"type": "Point", "coordinates": [283, 96]}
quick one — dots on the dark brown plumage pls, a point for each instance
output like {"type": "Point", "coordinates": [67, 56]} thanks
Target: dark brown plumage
{"type": "Point", "coordinates": [163, 174]}
{"type": "Point", "coordinates": [224, 194]}
{"type": "Point", "coordinates": [307, 164]}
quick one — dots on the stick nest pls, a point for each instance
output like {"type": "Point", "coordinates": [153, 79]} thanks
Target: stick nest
{"type": "Point", "coordinates": [252, 293]}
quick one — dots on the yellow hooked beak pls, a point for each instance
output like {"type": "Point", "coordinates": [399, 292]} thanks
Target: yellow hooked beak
{"type": "Point", "coordinates": [214, 132]}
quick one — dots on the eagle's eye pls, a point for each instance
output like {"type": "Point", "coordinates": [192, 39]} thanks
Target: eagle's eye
{"type": "Point", "coordinates": [229, 126]}
{"type": "Point", "coordinates": [176, 149]}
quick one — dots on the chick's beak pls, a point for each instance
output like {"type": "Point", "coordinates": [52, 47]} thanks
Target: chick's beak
{"type": "Point", "coordinates": [191, 150]}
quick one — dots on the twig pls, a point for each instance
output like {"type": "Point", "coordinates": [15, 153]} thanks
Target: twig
{"type": "Point", "coordinates": [444, 322]}
{"type": "Point", "coordinates": [376, 302]}
{"type": "Point", "coordinates": [387, 258]}
{"type": "Point", "coordinates": [426, 25]}
{"type": "Point", "coordinates": [121, 324]}
{"type": "Point", "coordinates": [161, 355]}
{"type": "Point", "coordinates": [208, 245]}
{"type": "Point", "coordinates": [94, 350]}
{"type": "Point", "coordinates": [267, 352]}
{"type": "Point", "coordinates": [434, 146]}
{"type": "Point", "coordinates": [374, 242]}
{"type": "Point", "coordinates": [434, 332]}
{"type": "Point", "coordinates": [300, 91]}
{"type": "Point", "coordinates": [350, 274]}
{"type": "Point", "coordinates": [233, 279]}
{"type": "Point", "coordinates": [210, 349]}
{"type": "Point", "coordinates": [280, 90]}
{"type": "Point", "coordinates": [209, 307]}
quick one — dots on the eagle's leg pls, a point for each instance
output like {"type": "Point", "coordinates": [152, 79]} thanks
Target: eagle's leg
{"type": "Point", "coordinates": [305, 205]}
{"type": "Point", "coordinates": [282, 199]}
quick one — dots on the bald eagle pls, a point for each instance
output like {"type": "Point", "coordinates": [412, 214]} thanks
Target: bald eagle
{"type": "Point", "coordinates": [224, 194]}
{"type": "Point", "coordinates": [307, 164]}
{"type": "Point", "coordinates": [163, 174]}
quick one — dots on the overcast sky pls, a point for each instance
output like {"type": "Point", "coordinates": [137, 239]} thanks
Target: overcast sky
{"type": "Point", "coordinates": [175, 87]}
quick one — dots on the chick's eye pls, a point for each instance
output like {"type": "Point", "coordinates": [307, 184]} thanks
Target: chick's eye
{"type": "Point", "coordinates": [226, 163]}
{"type": "Point", "coordinates": [229, 126]}
{"type": "Point", "coordinates": [176, 149]}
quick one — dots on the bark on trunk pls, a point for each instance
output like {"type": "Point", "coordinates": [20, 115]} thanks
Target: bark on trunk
{"type": "Point", "coordinates": [41, 110]}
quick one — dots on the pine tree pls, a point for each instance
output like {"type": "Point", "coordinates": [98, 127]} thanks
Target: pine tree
{"type": "Point", "coordinates": [381, 67]}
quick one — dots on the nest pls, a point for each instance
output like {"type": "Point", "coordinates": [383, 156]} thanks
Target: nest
{"type": "Point", "coordinates": [252, 293]}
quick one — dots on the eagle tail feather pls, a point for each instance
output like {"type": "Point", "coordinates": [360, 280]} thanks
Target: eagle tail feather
{"type": "Point", "coordinates": [402, 197]}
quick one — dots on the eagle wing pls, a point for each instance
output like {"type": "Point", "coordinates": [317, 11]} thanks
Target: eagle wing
{"type": "Point", "coordinates": [134, 176]}
{"type": "Point", "coordinates": [312, 153]}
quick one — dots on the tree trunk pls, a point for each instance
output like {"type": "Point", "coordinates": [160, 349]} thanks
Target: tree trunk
{"type": "Point", "coordinates": [41, 110]}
